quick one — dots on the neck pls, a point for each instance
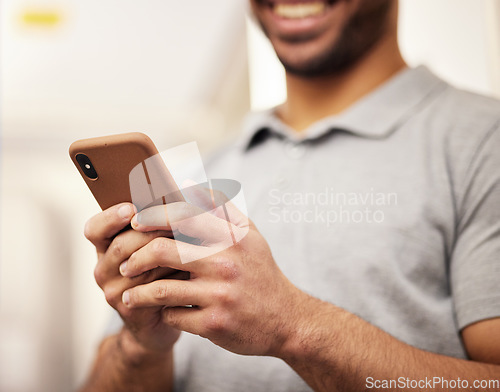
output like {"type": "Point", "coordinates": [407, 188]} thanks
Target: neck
{"type": "Point", "coordinates": [311, 99]}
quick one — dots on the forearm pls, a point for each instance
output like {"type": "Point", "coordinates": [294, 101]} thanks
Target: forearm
{"type": "Point", "coordinates": [333, 350]}
{"type": "Point", "coordinates": [121, 366]}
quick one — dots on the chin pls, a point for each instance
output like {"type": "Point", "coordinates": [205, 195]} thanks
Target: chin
{"type": "Point", "coordinates": [314, 58]}
{"type": "Point", "coordinates": [323, 37]}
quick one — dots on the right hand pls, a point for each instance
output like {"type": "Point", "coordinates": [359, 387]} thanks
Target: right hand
{"type": "Point", "coordinates": [144, 330]}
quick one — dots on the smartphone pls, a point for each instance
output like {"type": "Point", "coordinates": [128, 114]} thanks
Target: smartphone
{"type": "Point", "coordinates": [124, 168]}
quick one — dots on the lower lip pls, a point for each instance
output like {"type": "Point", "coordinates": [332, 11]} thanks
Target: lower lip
{"type": "Point", "coordinates": [302, 26]}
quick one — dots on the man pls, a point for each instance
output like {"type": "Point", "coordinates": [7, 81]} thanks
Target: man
{"type": "Point", "coordinates": [377, 188]}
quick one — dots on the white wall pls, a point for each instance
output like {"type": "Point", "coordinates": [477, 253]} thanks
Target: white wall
{"type": "Point", "coordinates": [111, 66]}
{"type": "Point", "coordinates": [458, 39]}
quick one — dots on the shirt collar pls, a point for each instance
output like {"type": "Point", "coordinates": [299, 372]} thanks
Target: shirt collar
{"type": "Point", "coordinates": [374, 116]}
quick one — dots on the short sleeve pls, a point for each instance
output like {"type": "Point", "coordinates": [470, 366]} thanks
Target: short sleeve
{"type": "Point", "coordinates": [475, 260]}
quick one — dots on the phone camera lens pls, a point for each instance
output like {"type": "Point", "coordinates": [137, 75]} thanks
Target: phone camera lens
{"type": "Point", "coordinates": [86, 165]}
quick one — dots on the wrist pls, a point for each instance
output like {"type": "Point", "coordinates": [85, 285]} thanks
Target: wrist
{"type": "Point", "coordinates": [296, 324]}
{"type": "Point", "coordinates": [311, 331]}
{"type": "Point", "coordinates": [134, 354]}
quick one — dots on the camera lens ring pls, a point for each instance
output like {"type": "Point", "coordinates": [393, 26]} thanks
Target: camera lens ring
{"type": "Point", "coordinates": [86, 165]}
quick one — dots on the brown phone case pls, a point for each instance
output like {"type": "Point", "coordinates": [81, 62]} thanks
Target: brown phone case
{"type": "Point", "coordinates": [127, 168]}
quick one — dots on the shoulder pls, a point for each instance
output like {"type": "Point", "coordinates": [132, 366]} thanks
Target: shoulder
{"type": "Point", "coordinates": [464, 115]}
{"type": "Point", "coordinates": [471, 141]}
{"type": "Point", "coordinates": [464, 126]}
{"type": "Point", "coordinates": [472, 104]}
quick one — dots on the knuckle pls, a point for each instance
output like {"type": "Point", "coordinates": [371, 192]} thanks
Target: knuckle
{"type": "Point", "coordinates": [88, 230]}
{"type": "Point", "coordinates": [226, 268]}
{"type": "Point", "coordinates": [99, 275]}
{"type": "Point", "coordinates": [224, 295]}
{"type": "Point", "coordinates": [216, 323]}
{"type": "Point", "coordinates": [169, 318]}
{"type": "Point", "coordinates": [112, 295]}
{"type": "Point", "coordinates": [158, 246]}
{"type": "Point", "coordinates": [160, 291]}
{"type": "Point", "coordinates": [116, 247]}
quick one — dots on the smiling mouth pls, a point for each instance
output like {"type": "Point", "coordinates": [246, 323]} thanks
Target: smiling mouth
{"type": "Point", "coordinates": [298, 9]}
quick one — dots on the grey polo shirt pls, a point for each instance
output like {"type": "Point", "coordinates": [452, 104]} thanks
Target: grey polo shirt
{"type": "Point", "coordinates": [390, 210]}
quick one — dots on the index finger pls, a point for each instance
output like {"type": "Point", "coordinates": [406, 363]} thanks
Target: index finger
{"type": "Point", "coordinates": [101, 228]}
{"type": "Point", "coordinates": [188, 220]}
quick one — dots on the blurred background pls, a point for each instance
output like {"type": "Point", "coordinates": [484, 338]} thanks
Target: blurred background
{"type": "Point", "coordinates": [177, 70]}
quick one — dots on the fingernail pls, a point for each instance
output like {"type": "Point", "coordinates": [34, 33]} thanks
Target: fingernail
{"type": "Point", "coordinates": [126, 298]}
{"type": "Point", "coordinates": [123, 268]}
{"type": "Point", "coordinates": [134, 222]}
{"type": "Point", "coordinates": [139, 218]}
{"type": "Point", "coordinates": [125, 211]}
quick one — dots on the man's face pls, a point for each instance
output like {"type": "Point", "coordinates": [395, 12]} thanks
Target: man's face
{"type": "Point", "coordinates": [322, 37]}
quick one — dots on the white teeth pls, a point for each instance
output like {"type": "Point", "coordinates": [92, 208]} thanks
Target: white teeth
{"type": "Point", "coordinates": [299, 10]}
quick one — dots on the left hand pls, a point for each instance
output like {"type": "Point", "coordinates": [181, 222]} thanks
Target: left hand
{"type": "Point", "coordinates": [241, 300]}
